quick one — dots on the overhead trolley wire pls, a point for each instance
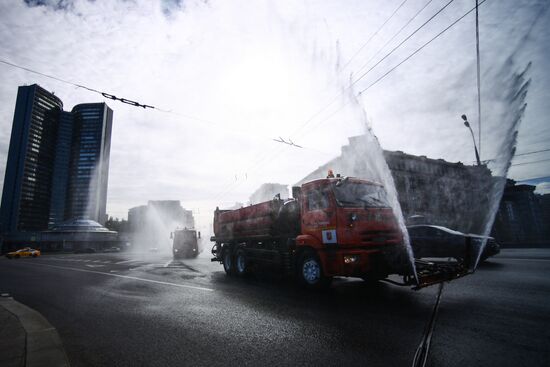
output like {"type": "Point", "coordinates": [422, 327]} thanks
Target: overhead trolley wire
{"type": "Point", "coordinates": [392, 51]}
{"type": "Point", "coordinates": [326, 118]}
{"type": "Point", "coordinates": [395, 35]}
{"type": "Point", "coordinates": [260, 160]}
{"type": "Point", "coordinates": [405, 40]}
{"type": "Point", "coordinates": [263, 157]}
{"type": "Point", "coordinates": [374, 34]}
{"type": "Point", "coordinates": [288, 141]}
{"type": "Point", "coordinates": [308, 121]}
{"type": "Point", "coordinates": [104, 94]}
{"type": "Point", "coordinates": [419, 49]}
{"type": "Point", "coordinates": [534, 152]}
{"type": "Point", "coordinates": [533, 162]}
{"type": "Point", "coordinates": [393, 68]}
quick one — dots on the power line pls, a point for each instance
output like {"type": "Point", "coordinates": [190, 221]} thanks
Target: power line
{"type": "Point", "coordinates": [533, 162]}
{"type": "Point", "coordinates": [404, 40]}
{"type": "Point", "coordinates": [288, 142]}
{"type": "Point", "coordinates": [137, 104]}
{"type": "Point", "coordinates": [308, 121]}
{"type": "Point", "coordinates": [395, 35]}
{"type": "Point", "coordinates": [519, 155]}
{"type": "Point", "coordinates": [374, 34]}
{"type": "Point", "coordinates": [419, 49]}
{"type": "Point", "coordinates": [104, 94]}
{"type": "Point", "coordinates": [392, 69]}
{"type": "Point", "coordinates": [532, 178]}
{"type": "Point", "coordinates": [536, 151]}
{"type": "Point", "coordinates": [415, 52]}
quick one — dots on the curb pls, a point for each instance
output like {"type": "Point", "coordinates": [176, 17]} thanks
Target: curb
{"type": "Point", "coordinates": [43, 344]}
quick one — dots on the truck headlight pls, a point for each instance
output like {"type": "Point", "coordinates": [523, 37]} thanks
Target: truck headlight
{"type": "Point", "coordinates": [351, 259]}
{"type": "Point", "coordinates": [175, 250]}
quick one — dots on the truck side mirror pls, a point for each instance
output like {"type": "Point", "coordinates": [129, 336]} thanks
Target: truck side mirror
{"type": "Point", "coordinates": [171, 235]}
{"type": "Point", "coordinates": [199, 233]}
{"type": "Point", "coordinates": [296, 191]}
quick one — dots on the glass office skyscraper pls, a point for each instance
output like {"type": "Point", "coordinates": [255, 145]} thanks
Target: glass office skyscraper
{"type": "Point", "coordinates": [29, 171]}
{"type": "Point", "coordinates": [58, 162]}
{"type": "Point", "coordinates": [89, 169]}
{"type": "Point", "coordinates": [60, 181]}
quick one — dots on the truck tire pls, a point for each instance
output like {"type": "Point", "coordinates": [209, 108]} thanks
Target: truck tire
{"type": "Point", "coordinates": [310, 272]}
{"type": "Point", "coordinates": [241, 263]}
{"type": "Point", "coordinates": [228, 263]}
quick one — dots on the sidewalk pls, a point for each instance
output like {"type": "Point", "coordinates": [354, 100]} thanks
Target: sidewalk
{"type": "Point", "coordinates": [27, 338]}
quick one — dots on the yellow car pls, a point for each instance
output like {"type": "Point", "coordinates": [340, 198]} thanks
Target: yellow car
{"type": "Point", "coordinates": [24, 252]}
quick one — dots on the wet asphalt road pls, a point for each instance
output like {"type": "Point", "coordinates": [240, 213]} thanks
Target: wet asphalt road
{"type": "Point", "coordinates": [143, 309]}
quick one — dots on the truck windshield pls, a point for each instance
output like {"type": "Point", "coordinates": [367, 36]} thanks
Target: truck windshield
{"type": "Point", "coordinates": [188, 235]}
{"type": "Point", "coordinates": [354, 194]}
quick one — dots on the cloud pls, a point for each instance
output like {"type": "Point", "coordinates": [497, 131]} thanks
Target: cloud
{"type": "Point", "coordinates": [236, 74]}
{"type": "Point", "coordinates": [543, 188]}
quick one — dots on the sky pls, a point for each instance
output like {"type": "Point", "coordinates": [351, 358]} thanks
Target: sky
{"type": "Point", "coordinates": [228, 77]}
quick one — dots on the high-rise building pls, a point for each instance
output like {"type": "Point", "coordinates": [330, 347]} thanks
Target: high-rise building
{"type": "Point", "coordinates": [58, 162]}
{"type": "Point", "coordinates": [60, 182]}
{"type": "Point", "coordinates": [89, 170]}
{"type": "Point", "coordinates": [27, 190]}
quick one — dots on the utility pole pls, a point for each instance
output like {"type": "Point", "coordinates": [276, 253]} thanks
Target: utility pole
{"type": "Point", "coordinates": [478, 79]}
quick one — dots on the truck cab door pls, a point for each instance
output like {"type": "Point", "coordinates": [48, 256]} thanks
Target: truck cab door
{"type": "Point", "coordinates": [319, 214]}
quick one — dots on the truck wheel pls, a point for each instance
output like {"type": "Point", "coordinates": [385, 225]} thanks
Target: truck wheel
{"type": "Point", "coordinates": [310, 272]}
{"type": "Point", "coordinates": [241, 263]}
{"type": "Point", "coordinates": [227, 260]}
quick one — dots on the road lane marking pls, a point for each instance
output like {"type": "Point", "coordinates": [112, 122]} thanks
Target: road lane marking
{"type": "Point", "coordinates": [520, 259]}
{"type": "Point", "coordinates": [95, 266]}
{"type": "Point", "coordinates": [129, 277]}
{"type": "Point", "coordinates": [168, 263]}
{"type": "Point", "coordinates": [125, 261]}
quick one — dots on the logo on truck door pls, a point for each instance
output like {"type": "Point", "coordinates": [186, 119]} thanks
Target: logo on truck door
{"type": "Point", "coordinates": [329, 236]}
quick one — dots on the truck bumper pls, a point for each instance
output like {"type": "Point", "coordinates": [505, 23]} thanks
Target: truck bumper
{"type": "Point", "coordinates": [365, 262]}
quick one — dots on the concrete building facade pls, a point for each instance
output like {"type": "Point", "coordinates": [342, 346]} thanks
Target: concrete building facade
{"type": "Point", "coordinates": [430, 191]}
{"type": "Point", "coordinates": [150, 225]}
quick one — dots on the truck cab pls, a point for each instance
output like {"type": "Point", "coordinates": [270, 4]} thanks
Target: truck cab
{"type": "Point", "coordinates": [348, 229]}
{"type": "Point", "coordinates": [185, 243]}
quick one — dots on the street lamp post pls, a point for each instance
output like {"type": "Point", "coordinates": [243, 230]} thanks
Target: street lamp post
{"type": "Point", "coordinates": [467, 124]}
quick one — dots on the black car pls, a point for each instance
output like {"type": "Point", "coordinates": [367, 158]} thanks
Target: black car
{"type": "Point", "coordinates": [437, 241]}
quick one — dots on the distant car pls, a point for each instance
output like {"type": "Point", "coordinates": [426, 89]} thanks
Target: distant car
{"type": "Point", "coordinates": [154, 249]}
{"type": "Point", "coordinates": [24, 252]}
{"type": "Point", "coordinates": [87, 250]}
{"type": "Point", "coordinates": [437, 241]}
